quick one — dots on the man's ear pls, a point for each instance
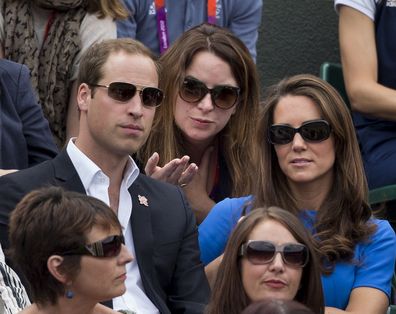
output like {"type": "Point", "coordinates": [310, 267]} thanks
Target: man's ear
{"type": "Point", "coordinates": [54, 263]}
{"type": "Point", "coordinates": [83, 96]}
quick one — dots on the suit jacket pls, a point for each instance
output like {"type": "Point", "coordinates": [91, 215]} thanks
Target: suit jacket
{"type": "Point", "coordinates": [164, 232]}
{"type": "Point", "coordinates": [25, 137]}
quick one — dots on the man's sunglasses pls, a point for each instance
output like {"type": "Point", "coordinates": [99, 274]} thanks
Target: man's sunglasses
{"type": "Point", "coordinates": [108, 247]}
{"type": "Point", "coordinates": [121, 91]}
{"type": "Point", "coordinates": [223, 96]}
{"type": "Point", "coordinates": [263, 252]}
{"type": "Point", "coordinates": [311, 131]}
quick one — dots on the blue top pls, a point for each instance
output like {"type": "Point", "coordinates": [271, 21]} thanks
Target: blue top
{"type": "Point", "coordinates": [243, 18]}
{"type": "Point", "coordinates": [375, 259]}
{"type": "Point", "coordinates": [377, 137]}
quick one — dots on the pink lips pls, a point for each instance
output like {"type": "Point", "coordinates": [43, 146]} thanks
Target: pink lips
{"type": "Point", "coordinates": [132, 129]}
{"type": "Point", "coordinates": [300, 161]}
{"type": "Point", "coordinates": [201, 122]}
{"type": "Point", "coordinates": [133, 126]}
{"type": "Point", "coordinates": [122, 277]}
{"type": "Point", "coordinates": [275, 284]}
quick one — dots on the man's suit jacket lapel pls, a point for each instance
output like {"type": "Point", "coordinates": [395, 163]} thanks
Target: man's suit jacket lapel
{"type": "Point", "coordinates": [143, 241]}
{"type": "Point", "coordinates": [141, 230]}
{"type": "Point", "coordinates": [65, 173]}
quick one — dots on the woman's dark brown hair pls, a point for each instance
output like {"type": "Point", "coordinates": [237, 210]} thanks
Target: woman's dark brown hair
{"type": "Point", "coordinates": [229, 296]}
{"type": "Point", "coordinates": [50, 221]}
{"type": "Point", "coordinates": [235, 140]}
{"type": "Point", "coordinates": [342, 219]}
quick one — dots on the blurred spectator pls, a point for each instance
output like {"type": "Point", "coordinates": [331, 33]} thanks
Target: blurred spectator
{"type": "Point", "coordinates": [270, 255]}
{"type": "Point", "coordinates": [49, 37]}
{"type": "Point", "coordinates": [71, 249]}
{"type": "Point", "coordinates": [243, 18]}
{"type": "Point", "coordinates": [25, 138]}
{"type": "Point", "coordinates": [277, 307]}
{"type": "Point", "coordinates": [367, 31]}
{"type": "Point", "coordinates": [208, 116]}
{"type": "Point", "coordinates": [13, 296]}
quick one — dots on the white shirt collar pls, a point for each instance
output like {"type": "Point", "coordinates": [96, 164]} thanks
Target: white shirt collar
{"type": "Point", "coordinates": [87, 169]}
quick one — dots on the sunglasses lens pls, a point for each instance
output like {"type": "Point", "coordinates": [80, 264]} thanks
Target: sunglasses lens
{"type": "Point", "coordinates": [315, 131]}
{"type": "Point", "coordinates": [280, 134]}
{"type": "Point", "coordinates": [263, 252]}
{"type": "Point", "coordinates": [111, 246]}
{"type": "Point", "coordinates": [225, 96]}
{"type": "Point", "coordinates": [260, 252]}
{"type": "Point", "coordinates": [121, 91]}
{"type": "Point", "coordinates": [295, 254]}
{"type": "Point", "coordinates": [192, 90]}
{"type": "Point", "coordinates": [152, 97]}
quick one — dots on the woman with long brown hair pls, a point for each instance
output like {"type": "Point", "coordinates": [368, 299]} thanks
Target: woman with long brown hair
{"type": "Point", "coordinates": [252, 270]}
{"type": "Point", "coordinates": [207, 118]}
{"type": "Point", "coordinates": [309, 162]}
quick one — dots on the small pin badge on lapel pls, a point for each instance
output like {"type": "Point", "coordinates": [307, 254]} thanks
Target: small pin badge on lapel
{"type": "Point", "coordinates": [143, 200]}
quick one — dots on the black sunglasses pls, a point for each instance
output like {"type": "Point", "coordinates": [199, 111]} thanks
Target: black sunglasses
{"type": "Point", "coordinates": [108, 247]}
{"type": "Point", "coordinates": [121, 91]}
{"type": "Point", "coordinates": [263, 252]}
{"type": "Point", "coordinates": [311, 131]}
{"type": "Point", "coordinates": [223, 96]}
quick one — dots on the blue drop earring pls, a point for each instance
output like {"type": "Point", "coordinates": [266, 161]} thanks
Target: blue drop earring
{"type": "Point", "coordinates": [69, 294]}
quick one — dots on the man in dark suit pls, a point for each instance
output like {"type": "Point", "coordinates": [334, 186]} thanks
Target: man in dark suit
{"type": "Point", "coordinates": [25, 137]}
{"type": "Point", "coordinates": [117, 96]}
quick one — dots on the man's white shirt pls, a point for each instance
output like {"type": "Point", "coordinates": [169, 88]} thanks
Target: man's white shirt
{"type": "Point", "coordinates": [96, 184]}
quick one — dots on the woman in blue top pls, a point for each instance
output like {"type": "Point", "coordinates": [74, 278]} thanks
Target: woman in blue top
{"type": "Point", "coordinates": [311, 165]}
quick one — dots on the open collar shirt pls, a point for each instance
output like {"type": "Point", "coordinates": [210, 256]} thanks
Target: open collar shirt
{"type": "Point", "coordinates": [96, 184]}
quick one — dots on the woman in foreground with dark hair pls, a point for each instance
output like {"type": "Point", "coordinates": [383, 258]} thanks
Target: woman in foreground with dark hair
{"type": "Point", "coordinates": [71, 249]}
{"type": "Point", "coordinates": [269, 255]}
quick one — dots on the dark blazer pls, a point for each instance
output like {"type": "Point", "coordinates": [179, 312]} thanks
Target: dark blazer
{"type": "Point", "coordinates": [25, 137]}
{"type": "Point", "coordinates": [164, 232]}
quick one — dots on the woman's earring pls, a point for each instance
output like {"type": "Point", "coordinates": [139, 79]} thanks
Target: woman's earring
{"type": "Point", "coordinates": [69, 294]}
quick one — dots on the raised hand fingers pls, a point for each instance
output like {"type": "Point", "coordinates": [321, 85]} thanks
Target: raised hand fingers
{"type": "Point", "coordinates": [178, 171]}
{"type": "Point", "coordinates": [188, 174]}
{"type": "Point", "coordinates": [151, 164]}
{"type": "Point", "coordinates": [174, 174]}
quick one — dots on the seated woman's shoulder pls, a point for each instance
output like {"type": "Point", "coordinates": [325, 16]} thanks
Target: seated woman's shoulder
{"type": "Point", "coordinates": [384, 229]}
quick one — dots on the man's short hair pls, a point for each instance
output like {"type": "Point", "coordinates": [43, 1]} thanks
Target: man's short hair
{"type": "Point", "coordinates": [92, 61]}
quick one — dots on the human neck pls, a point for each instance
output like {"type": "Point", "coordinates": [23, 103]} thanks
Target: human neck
{"type": "Point", "coordinates": [64, 306]}
{"type": "Point", "coordinates": [111, 164]}
{"type": "Point", "coordinates": [309, 196]}
{"type": "Point", "coordinates": [195, 150]}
